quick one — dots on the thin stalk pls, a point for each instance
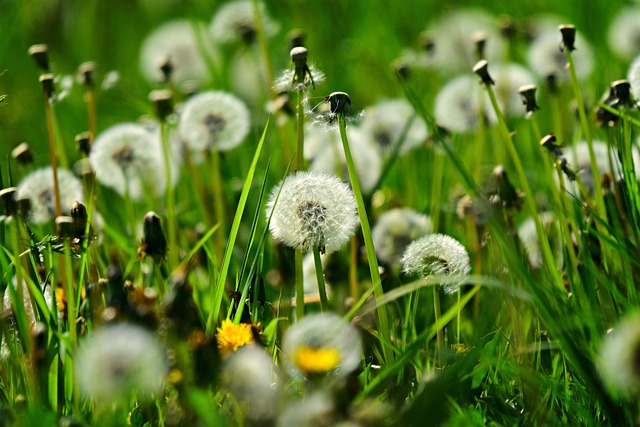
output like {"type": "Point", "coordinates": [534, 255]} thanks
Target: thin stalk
{"type": "Point", "coordinates": [91, 110]}
{"type": "Point", "coordinates": [353, 268]}
{"type": "Point", "coordinates": [368, 241]}
{"type": "Point", "coordinates": [437, 314]}
{"type": "Point", "coordinates": [299, 284]}
{"type": "Point", "coordinates": [169, 198]}
{"type": "Point", "coordinates": [322, 290]}
{"type": "Point", "coordinates": [300, 134]}
{"type": "Point", "coordinates": [299, 166]}
{"type": "Point", "coordinates": [54, 158]}
{"type": "Point", "coordinates": [262, 42]}
{"type": "Point", "coordinates": [219, 203]}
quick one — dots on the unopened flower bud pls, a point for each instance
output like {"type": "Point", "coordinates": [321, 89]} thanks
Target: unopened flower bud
{"type": "Point", "coordinates": [528, 93]}
{"type": "Point", "coordinates": [153, 241]}
{"type": "Point", "coordinates": [86, 74]}
{"type": "Point", "coordinates": [482, 70]}
{"type": "Point", "coordinates": [79, 215]}
{"type": "Point", "coordinates": [22, 154]}
{"type": "Point", "coordinates": [8, 197]}
{"type": "Point", "coordinates": [549, 143]}
{"type": "Point", "coordinates": [339, 102]}
{"type": "Point", "coordinates": [64, 226]}
{"type": "Point", "coordinates": [162, 103]}
{"type": "Point", "coordinates": [568, 37]}
{"type": "Point", "coordinates": [480, 42]}
{"type": "Point", "coordinates": [40, 55]}
{"type": "Point", "coordinates": [46, 81]}
{"type": "Point", "coordinates": [83, 143]}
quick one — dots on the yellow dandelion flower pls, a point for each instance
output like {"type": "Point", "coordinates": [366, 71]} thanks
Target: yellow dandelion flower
{"type": "Point", "coordinates": [316, 360]}
{"type": "Point", "coordinates": [231, 337]}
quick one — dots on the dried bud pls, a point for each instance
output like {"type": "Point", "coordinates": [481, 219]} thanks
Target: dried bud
{"type": "Point", "coordinates": [162, 103]}
{"type": "Point", "coordinates": [46, 81]}
{"type": "Point", "coordinates": [622, 92]}
{"type": "Point", "coordinates": [482, 70]}
{"type": "Point", "coordinates": [23, 154]}
{"type": "Point", "coordinates": [528, 93]}
{"type": "Point", "coordinates": [506, 194]}
{"type": "Point", "coordinates": [79, 215]}
{"type": "Point", "coordinates": [551, 81]}
{"type": "Point", "coordinates": [83, 143]}
{"type": "Point", "coordinates": [166, 68]}
{"type": "Point", "coordinates": [401, 69]}
{"type": "Point", "coordinates": [568, 37]}
{"type": "Point", "coordinates": [549, 143]}
{"type": "Point", "coordinates": [64, 226]}
{"type": "Point", "coordinates": [296, 37]}
{"type": "Point", "coordinates": [40, 55]}
{"type": "Point", "coordinates": [86, 74]}
{"type": "Point", "coordinates": [339, 103]}
{"type": "Point", "coordinates": [8, 197]}
{"type": "Point", "coordinates": [24, 207]}
{"type": "Point", "coordinates": [153, 241]}
{"type": "Point", "coordinates": [299, 55]}
{"type": "Point", "coordinates": [480, 42]}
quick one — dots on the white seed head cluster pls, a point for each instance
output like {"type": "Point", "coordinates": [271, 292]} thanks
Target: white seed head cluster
{"type": "Point", "coordinates": [624, 33]}
{"type": "Point", "coordinates": [285, 82]}
{"type": "Point", "coordinates": [634, 77]}
{"type": "Point", "coordinates": [395, 229]}
{"type": "Point", "coordinates": [323, 331]}
{"type": "Point", "coordinates": [235, 21]}
{"type": "Point", "coordinates": [619, 354]}
{"type": "Point", "coordinates": [509, 78]}
{"type": "Point", "coordinates": [528, 235]}
{"type": "Point", "coordinates": [316, 409]}
{"type": "Point", "coordinates": [331, 159]}
{"type": "Point", "coordinates": [38, 187]}
{"type": "Point", "coordinates": [213, 120]}
{"type": "Point", "coordinates": [176, 41]}
{"type": "Point", "coordinates": [128, 158]}
{"type": "Point", "coordinates": [436, 254]}
{"type": "Point", "coordinates": [248, 75]}
{"type": "Point", "coordinates": [545, 56]}
{"type": "Point", "coordinates": [250, 375]}
{"type": "Point", "coordinates": [117, 360]}
{"type": "Point", "coordinates": [312, 209]}
{"type": "Point", "coordinates": [385, 122]}
{"type": "Point", "coordinates": [461, 104]}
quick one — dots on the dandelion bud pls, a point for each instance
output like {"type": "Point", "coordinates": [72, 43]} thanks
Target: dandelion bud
{"type": "Point", "coordinates": [568, 37]}
{"type": "Point", "coordinates": [40, 55]}
{"type": "Point", "coordinates": [153, 241]}
{"type": "Point", "coordinates": [401, 69]}
{"type": "Point", "coordinates": [482, 70]}
{"type": "Point", "coordinates": [83, 143]}
{"type": "Point", "coordinates": [162, 103]}
{"type": "Point", "coordinates": [80, 217]}
{"type": "Point", "coordinates": [622, 93]}
{"type": "Point", "coordinates": [551, 81]}
{"type": "Point", "coordinates": [23, 154]}
{"type": "Point", "coordinates": [46, 81]}
{"type": "Point", "coordinates": [64, 226]}
{"type": "Point", "coordinates": [549, 143]}
{"type": "Point", "coordinates": [8, 197]}
{"type": "Point", "coordinates": [166, 68]}
{"type": "Point", "coordinates": [339, 103]}
{"type": "Point", "coordinates": [296, 37]}
{"type": "Point", "coordinates": [24, 207]}
{"type": "Point", "coordinates": [299, 55]}
{"type": "Point", "coordinates": [86, 74]}
{"type": "Point", "coordinates": [437, 254]}
{"type": "Point", "coordinates": [506, 194]}
{"type": "Point", "coordinates": [480, 42]}
{"type": "Point", "coordinates": [528, 93]}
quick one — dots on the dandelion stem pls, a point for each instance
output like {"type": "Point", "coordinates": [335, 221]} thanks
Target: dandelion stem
{"type": "Point", "coordinates": [169, 197]}
{"type": "Point", "coordinates": [54, 158]}
{"type": "Point", "coordinates": [219, 204]}
{"type": "Point", "coordinates": [299, 285]}
{"type": "Point", "coordinates": [437, 314]}
{"type": "Point", "coordinates": [300, 139]}
{"type": "Point", "coordinates": [262, 41]}
{"type": "Point", "coordinates": [368, 241]}
{"type": "Point", "coordinates": [322, 290]}
{"type": "Point", "coordinates": [353, 268]}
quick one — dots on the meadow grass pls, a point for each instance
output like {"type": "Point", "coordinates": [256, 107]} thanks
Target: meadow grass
{"type": "Point", "coordinates": [179, 255]}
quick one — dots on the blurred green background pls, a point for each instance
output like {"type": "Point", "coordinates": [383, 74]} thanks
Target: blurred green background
{"type": "Point", "coordinates": [353, 42]}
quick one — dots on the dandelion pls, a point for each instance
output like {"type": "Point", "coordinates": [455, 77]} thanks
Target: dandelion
{"type": "Point", "coordinates": [624, 33]}
{"type": "Point", "coordinates": [437, 254]}
{"type": "Point", "coordinates": [172, 51]}
{"type": "Point", "coordinates": [395, 230]}
{"type": "Point", "coordinates": [317, 409]}
{"type": "Point", "coordinates": [301, 76]}
{"type": "Point", "coordinates": [248, 75]}
{"type": "Point", "coordinates": [213, 120]}
{"type": "Point", "coordinates": [509, 78]}
{"type": "Point", "coordinates": [634, 77]}
{"type": "Point", "coordinates": [453, 40]}
{"type": "Point", "coordinates": [128, 158]}
{"type": "Point", "coordinates": [546, 57]}
{"type": "Point", "coordinates": [252, 378]}
{"type": "Point", "coordinates": [528, 235]}
{"type": "Point", "coordinates": [235, 21]}
{"type": "Point", "coordinates": [619, 354]}
{"type": "Point", "coordinates": [38, 188]}
{"type": "Point", "coordinates": [322, 344]}
{"type": "Point", "coordinates": [231, 337]}
{"type": "Point", "coordinates": [118, 360]}
{"type": "Point", "coordinates": [331, 158]}
{"type": "Point", "coordinates": [385, 123]}
{"type": "Point", "coordinates": [460, 104]}
{"type": "Point", "coordinates": [312, 209]}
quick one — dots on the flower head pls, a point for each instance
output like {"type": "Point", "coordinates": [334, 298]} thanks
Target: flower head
{"type": "Point", "coordinates": [38, 187]}
{"type": "Point", "coordinates": [546, 57]}
{"type": "Point", "coordinates": [231, 337]}
{"type": "Point", "coordinates": [301, 76]}
{"type": "Point", "coordinates": [235, 21]}
{"type": "Point", "coordinates": [394, 230]}
{"type": "Point", "coordinates": [322, 344]}
{"type": "Point", "coordinates": [384, 123]}
{"type": "Point", "coordinates": [461, 104]}
{"type": "Point", "coordinates": [437, 254]}
{"type": "Point", "coordinates": [128, 158]}
{"type": "Point", "coordinates": [117, 360]}
{"type": "Point", "coordinates": [172, 52]}
{"type": "Point", "coordinates": [213, 120]}
{"type": "Point", "coordinates": [624, 33]}
{"type": "Point", "coordinates": [312, 209]}
{"type": "Point", "coordinates": [619, 355]}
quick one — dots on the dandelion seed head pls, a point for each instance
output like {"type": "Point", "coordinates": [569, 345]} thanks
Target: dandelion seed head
{"type": "Point", "coordinates": [546, 57]}
{"type": "Point", "coordinates": [528, 235]}
{"type": "Point", "coordinates": [385, 122]}
{"type": "Point", "coordinates": [213, 120]}
{"type": "Point", "coordinates": [235, 21]}
{"type": "Point", "coordinates": [117, 360]}
{"type": "Point", "coordinates": [322, 343]}
{"type": "Point", "coordinates": [286, 81]}
{"type": "Point", "coordinates": [38, 188]}
{"type": "Point", "coordinates": [634, 77]}
{"type": "Point", "coordinates": [313, 209]}
{"type": "Point", "coordinates": [176, 42]}
{"type": "Point", "coordinates": [619, 356]}
{"type": "Point", "coordinates": [436, 254]}
{"type": "Point", "coordinates": [128, 158]}
{"type": "Point", "coordinates": [317, 409]}
{"type": "Point", "coordinates": [624, 33]}
{"type": "Point", "coordinates": [459, 104]}
{"type": "Point", "coordinates": [395, 230]}
{"type": "Point", "coordinates": [509, 78]}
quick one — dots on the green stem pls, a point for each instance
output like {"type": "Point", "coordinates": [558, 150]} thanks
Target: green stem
{"type": "Point", "coordinates": [169, 197]}
{"type": "Point", "coordinates": [437, 314]}
{"type": "Point", "coordinates": [368, 241]}
{"type": "Point", "coordinates": [299, 285]}
{"type": "Point", "coordinates": [219, 203]}
{"type": "Point", "coordinates": [322, 290]}
{"type": "Point", "coordinates": [300, 134]}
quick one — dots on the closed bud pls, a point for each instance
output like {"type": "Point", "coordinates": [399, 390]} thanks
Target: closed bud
{"type": "Point", "coordinates": [8, 197]}
{"type": "Point", "coordinates": [87, 74]}
{"type": "Point", "coordinates": [46, 81]}
{"type": "Point", "coordinates": [40, 55]}
{"type": "Point", "coordinates": [154, 243]}
{"type": "Point", "coordinates": [528, 93]}
{"type": "Point", "coordinates": [568, 37]}
{"type": "Point", "coordinates": [480, 42]}
{"type": "Point", "coordinates": [482, 70]}
{"type": "Point", "coordinates": [549, 143]}
{"type": "Point", "coordinates": [22, 154]}
{"type": "Point", "coordinates": [162, 103]}
{"type": "Point", "coordinates": [83, 142]}
{"type": "Point", "coordinates": [79, 215]}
